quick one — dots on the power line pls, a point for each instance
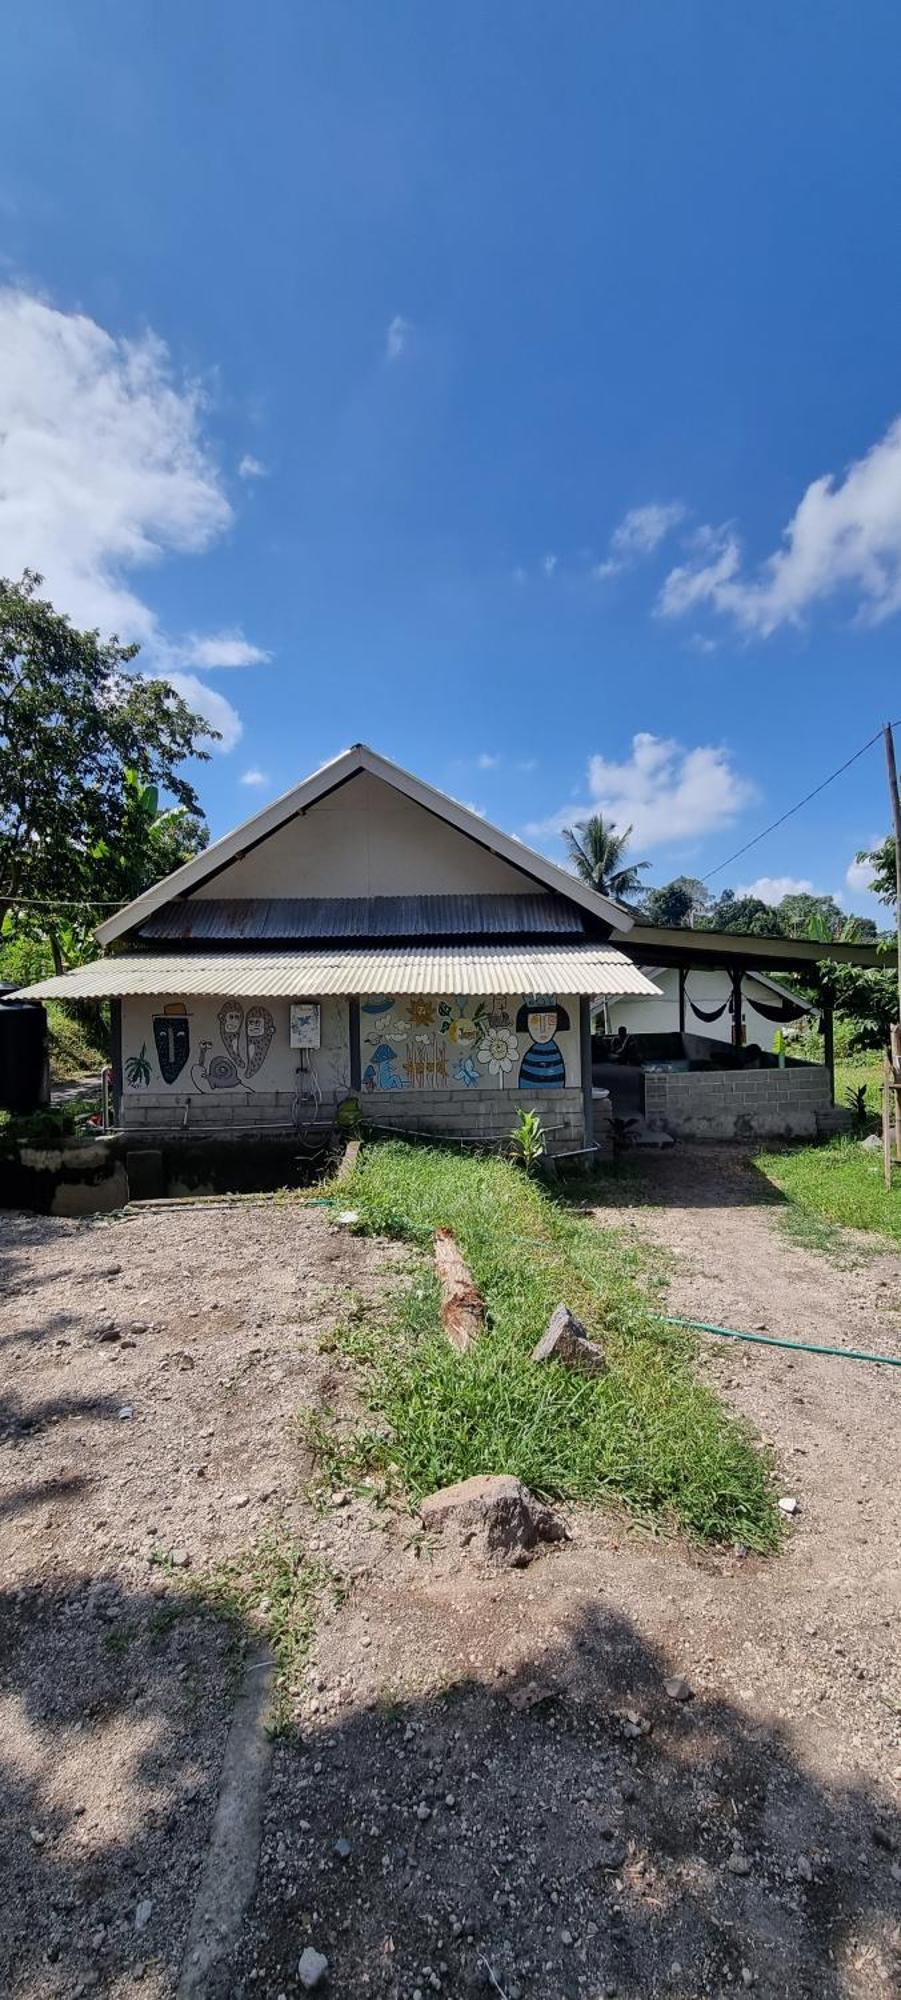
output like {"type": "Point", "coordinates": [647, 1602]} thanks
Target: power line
{"type": "Point", "coordinates": [758, 837]}
{"type": "Point", "coordinates": [57, 902]}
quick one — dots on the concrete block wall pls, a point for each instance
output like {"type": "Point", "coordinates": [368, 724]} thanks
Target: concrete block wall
{"type": "Point", "coordinates": [488, 1115]}
{"type": "Point", "coordinates": [785, 1103]}
{"type": "Point", "coordinates": [245, 1114]}
{"type": "Point", "coordinates": [481, 1114]}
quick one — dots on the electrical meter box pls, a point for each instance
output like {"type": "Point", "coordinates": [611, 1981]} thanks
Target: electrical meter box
{"type": "Point", "coordinates": [304, 1024]}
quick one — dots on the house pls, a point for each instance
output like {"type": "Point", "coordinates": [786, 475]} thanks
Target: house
{"type": "Point", "coordinates": [363, 936]}
{"type": "Point", "coordinates": [700, 1002]}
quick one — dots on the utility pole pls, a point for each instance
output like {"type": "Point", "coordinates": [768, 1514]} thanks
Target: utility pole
{"type": "Point", "coordinates": [896, 822]}
{"type": "Point", "coordinates": [892, 1086]}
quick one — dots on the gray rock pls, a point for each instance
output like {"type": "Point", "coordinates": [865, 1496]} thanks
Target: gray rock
{"type": "Point", "coordinates": [312, 1967]}
{"type": "Point", "coordinates": [342, 1849]}
{"type": "Point", "coordinates": [872, 1143]}
{"type": "Point", "coordinates": [143, 1914]}
{"type": "Point", "coordinates": [738, 1863]}
{"type": "Point", "coordinates": [566, 1340]}
{"type": "Point", "coordinates": [679, 1689]}
{"type": "Point", "coordinates": [497, 1513]}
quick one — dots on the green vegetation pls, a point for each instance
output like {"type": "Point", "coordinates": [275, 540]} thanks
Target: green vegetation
{"type": "Point", "coordinates": [49, 1126]}
{"type": "Point", "coordinates": [647, 1433]}
{"type": "Point", "coordinates": [840, 1182]}
{"type": "Point", "coordinates": [271, 1588]}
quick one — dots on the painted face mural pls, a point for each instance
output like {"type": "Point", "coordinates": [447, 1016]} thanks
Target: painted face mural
{"type": "Point", "coordinates": [172, 1036]}
{"type": "Point", "coordinates": [259, 1029]}
{"type": "Point", "coordinates": [542, 1066]}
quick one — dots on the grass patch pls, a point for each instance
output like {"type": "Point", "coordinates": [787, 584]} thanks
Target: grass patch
{"type": "Point", "coordinates": [840, 1182]}
{"type": "Point", "coordinates": [647, 1433]}
{"type": "Point", "coordinates": [271, 1589]}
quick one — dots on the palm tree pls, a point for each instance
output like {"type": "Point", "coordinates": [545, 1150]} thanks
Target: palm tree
{"type": "Point", "coordinates": [597, 851]}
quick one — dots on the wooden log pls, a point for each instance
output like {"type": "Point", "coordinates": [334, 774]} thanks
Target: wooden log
{"type": "Point", "coordinates": [462, 1304]}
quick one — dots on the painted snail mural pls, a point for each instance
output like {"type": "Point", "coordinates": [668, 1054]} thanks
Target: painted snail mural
{"type": "Point", "coordinates": [246, 1037]}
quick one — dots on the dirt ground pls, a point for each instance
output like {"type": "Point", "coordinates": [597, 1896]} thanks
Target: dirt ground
{"type": "Point", "coordinates": [522, 1808]}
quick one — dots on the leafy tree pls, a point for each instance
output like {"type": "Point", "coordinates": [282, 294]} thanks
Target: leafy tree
{"type": "Point", "coordinates": [742, 913]}
{"type": "Point", "coordinates": [797, 912]}
{"type": "Point", "coordinates": [80, 738]}
{"type": "Point", "coordinates": [677, 903]}
{"type": "Point", "coordinates": [597, 853]}
{"type": "Point", "coordinates": [868, 998]}
{"type": "Point", "coordinates": [882, 862]}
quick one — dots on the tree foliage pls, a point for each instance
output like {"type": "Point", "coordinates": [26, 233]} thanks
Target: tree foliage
{"type": "Point", "coordinates": [85, 747]}
{"type": "Point", "coordinates": [597, 852]}
{"type": "Point", "coordinates": [683, 901]}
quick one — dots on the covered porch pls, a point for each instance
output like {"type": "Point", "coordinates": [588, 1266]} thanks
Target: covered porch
{"type": "Point", "coordinates": [688, 1083]}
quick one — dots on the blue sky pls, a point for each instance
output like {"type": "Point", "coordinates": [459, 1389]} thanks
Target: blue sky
{"type": "Point", "coordinates": [459, 380]}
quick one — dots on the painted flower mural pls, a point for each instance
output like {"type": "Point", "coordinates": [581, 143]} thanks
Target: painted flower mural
{"type": "Point", "coordinates": [498, 1052]}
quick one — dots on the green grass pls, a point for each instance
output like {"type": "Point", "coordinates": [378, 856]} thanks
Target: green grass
{"type": "Point", "coordinates": [854, 1071]}
{"type": "Point", "coordinates": [73, 1052]}
{"type": "Point", "coordinates": [840, 1183]}
{"type": "Point", "coordinates": [647, 1433]}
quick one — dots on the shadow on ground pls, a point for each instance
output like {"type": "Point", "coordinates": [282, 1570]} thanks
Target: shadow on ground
{"type": "Point", "coordinates": [687, 1176]}
{"type": "Point", "coordinates": [572, 1832]}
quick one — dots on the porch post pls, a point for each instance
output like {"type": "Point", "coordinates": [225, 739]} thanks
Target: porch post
{"type": "Point", "coordinates": [829, 1046]}
{"type": "Point", "coordinates": [353, 1030]}
{"type": "Point", "coordinates": [585, 1059]}
{"type": "Point", "coordinates": [681, 999]}
{"type": "Point", "coordinates": [115, 1023]}
{"type": "Point", "coordinates": [736, 1006]}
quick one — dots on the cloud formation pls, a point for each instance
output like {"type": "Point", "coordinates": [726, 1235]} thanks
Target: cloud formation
{"type": "Point", "coordinates": [640, 532]}
{"type": "Point", "coordinates": [254, 777]}
{"type": "Point", "coordinates": [663, 791]}
{"type": "Point", "coordinates": [397, 338]}
{"type": "Point", "coordinates": [208, 702]}
{"type": "Point", "coordinates": [105, 471]}
{"type": "Point", "coordinates": [222, 649]}
{"type": "Point", "coordinates": [251, 468]}
{"type": "Point", "coordinates": [772, 888]}
{"type": "Point", "coordinates": [859, 877]}
{"type": "Point", "coordinates": [844, 537]}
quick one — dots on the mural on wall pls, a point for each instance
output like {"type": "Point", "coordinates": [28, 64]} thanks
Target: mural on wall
{"type": "Point", "coordinates": [246, 1039]}
{"type": "Point", "coordinates": [542, 1066]}
{"type": "Point", "coordinates": [172, 1036]}
{"type": "Point", "coordinates": [137, 1069]}
{"type": "Point", "coordinates": [459, 1043]}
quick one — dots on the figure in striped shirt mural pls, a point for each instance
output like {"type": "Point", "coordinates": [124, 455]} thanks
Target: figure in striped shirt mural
{"type": "Point", "coordinates": [542, 1066]}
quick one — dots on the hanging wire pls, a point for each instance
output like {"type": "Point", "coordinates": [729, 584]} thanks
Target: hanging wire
{"type": "Point", "coordinates": [758, 837]}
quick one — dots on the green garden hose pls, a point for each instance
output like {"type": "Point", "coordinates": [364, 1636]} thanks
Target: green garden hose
{"type": "Point", "coordinates": [770, 1340]}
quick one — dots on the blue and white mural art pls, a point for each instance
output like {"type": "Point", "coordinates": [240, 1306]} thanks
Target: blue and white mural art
{"type": "Point", "coordinates": [542, 1019]}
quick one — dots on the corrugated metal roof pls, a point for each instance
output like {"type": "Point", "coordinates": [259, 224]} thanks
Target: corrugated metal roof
{"type": "Point", "coordinates": [241, 920]}
{"type": "Point", "coordinates": [591, 969]}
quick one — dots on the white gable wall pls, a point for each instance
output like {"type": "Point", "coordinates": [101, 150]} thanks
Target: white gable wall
{"type": "Point", "coordinates": [709, 987]}
{"type": "Point", "coordinates": [366, 839]}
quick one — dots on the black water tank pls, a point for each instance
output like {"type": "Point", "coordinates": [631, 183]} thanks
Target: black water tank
{"type": "Point", "coordinates": [23, 1054]}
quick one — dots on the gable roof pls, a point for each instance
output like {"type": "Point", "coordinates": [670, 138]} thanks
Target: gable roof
{"type": "Point", "coordinates": [317, 786]}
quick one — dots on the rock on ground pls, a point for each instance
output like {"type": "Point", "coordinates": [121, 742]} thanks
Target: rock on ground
{"type": "Point", "coordinates": [496, 1512]}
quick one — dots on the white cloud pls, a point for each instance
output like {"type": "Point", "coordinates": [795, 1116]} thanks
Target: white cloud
{"type": "Point", "coordinates": [397, 339]}
{"type": "Point", "coordinates": [520, 575]}
{"type": "Point", "coordinates": [639, 533]}
{"type": "Point", "coordinates": [103, 466]}
{"type": "Point", "coordinates": [222, 649]}
{"type": "Point", "coordinates": [549, 564]}
{"type": "Point", "coordinates": [206, 701]}
{"type": "Point", "coordinates": [252, 468]}
{"type": "Point", "coordinates": [488, 760]}
{"type": "Point", "coordinates": [845, 535]}
{"type": "Point", "coordinates": [254, 776]}
{"type": "Point", "coordinates": [859, 877]}
{"type": "Point", "coordinates": [663, 791]}
{"type": "Point", "coordinates": [772, 888]}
